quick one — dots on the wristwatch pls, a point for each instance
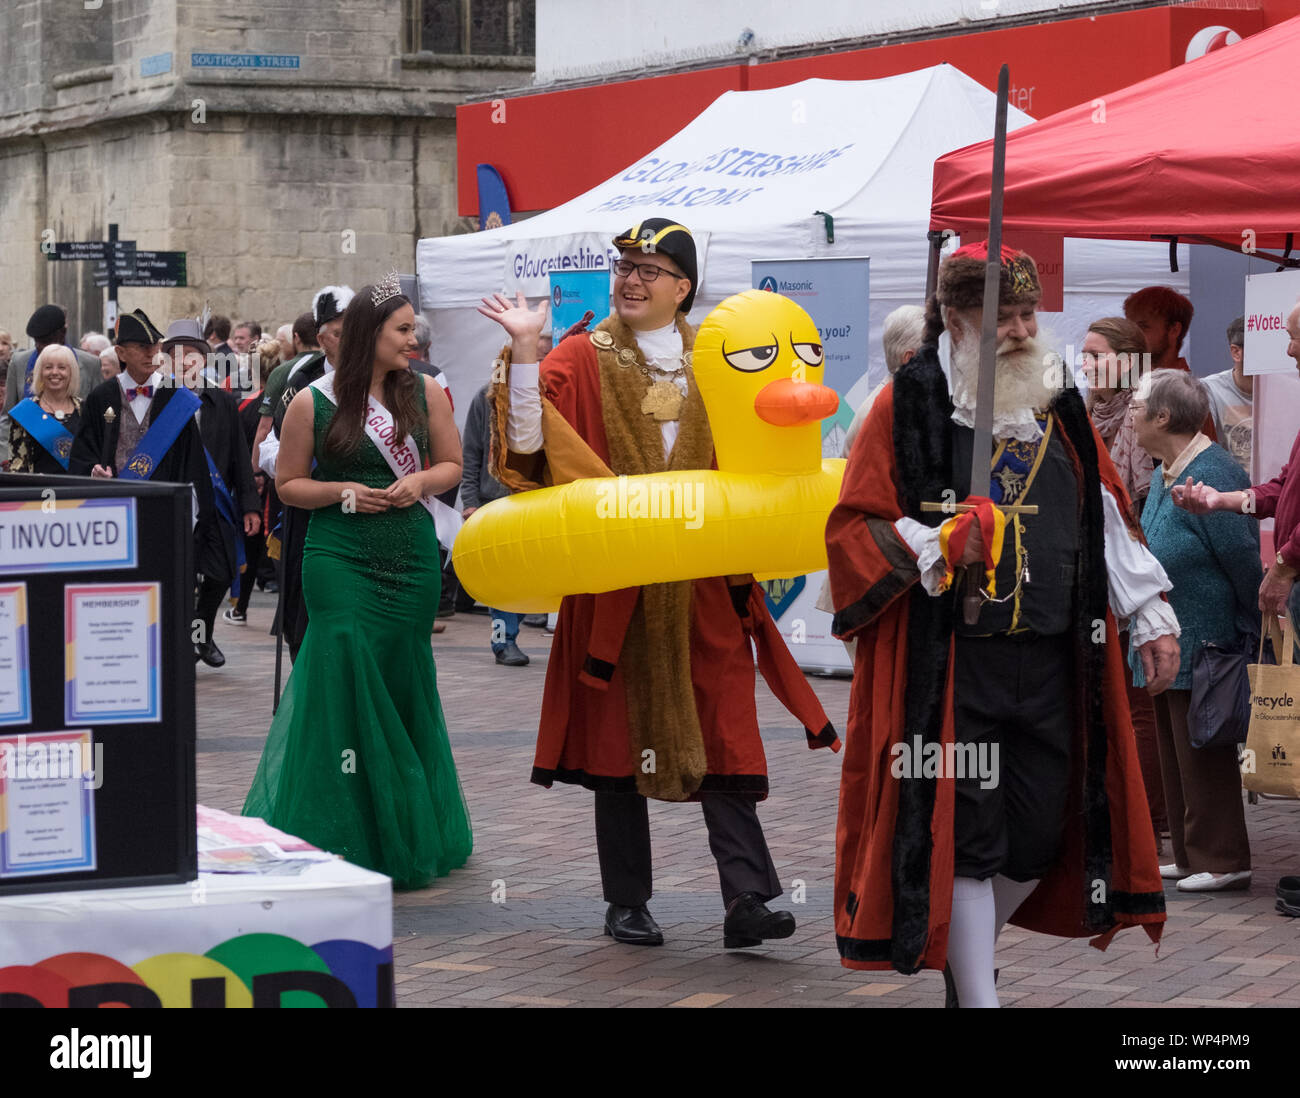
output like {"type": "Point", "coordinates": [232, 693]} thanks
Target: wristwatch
{"type": "Point", "coordinates": [1284, 567]}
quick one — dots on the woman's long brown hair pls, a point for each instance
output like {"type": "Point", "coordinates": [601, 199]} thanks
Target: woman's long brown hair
{"type": "Point", "coordinates": [362, 322]}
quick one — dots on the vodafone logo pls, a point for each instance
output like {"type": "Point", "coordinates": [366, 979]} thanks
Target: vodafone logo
{"type": "Point", "coordinates": [1208, 39]}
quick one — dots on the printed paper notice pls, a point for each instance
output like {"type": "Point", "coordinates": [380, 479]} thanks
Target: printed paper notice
{"type": "Point", "coordinates": [112, 653]}
{"type": "Point", "coordinates": [47, 804]}
{"type": "Point", "coordinates": [15, 679]}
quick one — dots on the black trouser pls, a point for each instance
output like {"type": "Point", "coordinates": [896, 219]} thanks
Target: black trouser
{"type": "Point", "coordinates": [735, 837]}
{"type": "Point", "coordinates": [211, 592]}
{"type": "Point", "coordinates": [254, 550]}
{"type": "Point", "coordinates": [1015, 692]}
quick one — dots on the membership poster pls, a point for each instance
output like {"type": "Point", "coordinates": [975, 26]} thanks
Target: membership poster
{"type": "Point", "coordinates": [112, 653]}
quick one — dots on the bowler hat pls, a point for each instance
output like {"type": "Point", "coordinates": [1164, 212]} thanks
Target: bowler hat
{"type": "Point", "coordinates": [185, 333]}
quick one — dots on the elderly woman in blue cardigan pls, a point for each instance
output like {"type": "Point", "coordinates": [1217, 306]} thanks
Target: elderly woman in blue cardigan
{"type": "Point", "coordinates": [1213, 562]}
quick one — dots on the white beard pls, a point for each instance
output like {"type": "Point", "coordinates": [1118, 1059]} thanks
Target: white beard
{"type": "Point", "coordinates": [1021, 389]}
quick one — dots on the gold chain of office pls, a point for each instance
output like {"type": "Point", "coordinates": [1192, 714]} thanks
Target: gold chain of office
{"type": "Point", "coordinates": [663, 399]}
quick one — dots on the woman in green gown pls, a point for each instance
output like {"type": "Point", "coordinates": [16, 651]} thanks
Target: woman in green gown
{"type": "Point", "coordinates": [357, 760]}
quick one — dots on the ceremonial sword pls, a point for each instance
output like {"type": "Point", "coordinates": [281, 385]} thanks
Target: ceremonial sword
{"type": "Point", "coordinates": [982, 443]}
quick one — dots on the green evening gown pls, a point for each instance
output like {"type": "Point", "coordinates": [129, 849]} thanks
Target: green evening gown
{"type": "Point", "coordinates": [357, 761]}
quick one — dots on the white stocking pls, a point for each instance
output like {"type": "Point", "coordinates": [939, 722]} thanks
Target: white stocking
{"type": "Point", "coordinates": [971, 936]}
{"type": "Point", "coordinates": [1008, 895]}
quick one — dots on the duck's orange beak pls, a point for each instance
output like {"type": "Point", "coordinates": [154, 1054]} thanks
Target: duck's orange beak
{"type": "Point", "coordinates": [790, 403]}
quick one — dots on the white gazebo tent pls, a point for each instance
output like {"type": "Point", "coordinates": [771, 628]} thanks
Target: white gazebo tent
{"type": "Point", "coordinates": [747, 176]}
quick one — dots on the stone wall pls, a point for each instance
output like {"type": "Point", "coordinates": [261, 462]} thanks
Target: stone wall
{"type": "Point", "coordinates": [273, 182]}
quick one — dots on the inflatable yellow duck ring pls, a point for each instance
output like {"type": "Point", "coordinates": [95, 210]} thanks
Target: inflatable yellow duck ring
{"type": "Point", "coordinates": [758, 365]}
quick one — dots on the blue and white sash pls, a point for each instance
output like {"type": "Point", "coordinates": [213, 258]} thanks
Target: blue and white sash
{"type": "Point", "coordinates": [162, 432]}
{"type": "Point", "coordinates": [44, 428]}
{"type": "Point", "coordinates": [402, 457]}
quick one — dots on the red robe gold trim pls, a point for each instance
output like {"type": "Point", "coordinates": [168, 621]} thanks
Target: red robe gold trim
{"type": "Point", "coordinates": [894, 839]}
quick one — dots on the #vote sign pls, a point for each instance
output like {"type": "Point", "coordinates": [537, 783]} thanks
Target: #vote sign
{"type": "Point", "coordinates": [1269, 298]}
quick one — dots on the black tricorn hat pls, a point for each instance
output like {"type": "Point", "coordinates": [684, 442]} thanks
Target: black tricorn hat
{"type": "Point", "coordinates": [659, 234]}
{"type": "Point", "coordinates": [136, 327]}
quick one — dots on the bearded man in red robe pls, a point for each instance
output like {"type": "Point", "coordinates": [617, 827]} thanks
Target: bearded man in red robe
{"type": "Point", "coordinates": [991, 772]}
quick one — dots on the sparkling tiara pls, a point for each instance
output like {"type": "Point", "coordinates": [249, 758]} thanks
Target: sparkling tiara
{"type": "Point", "coordinates": [389, 286]}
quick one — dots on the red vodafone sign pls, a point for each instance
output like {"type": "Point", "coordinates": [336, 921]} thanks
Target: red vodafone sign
{"type": "Point", "coordinates": [1208, 39]}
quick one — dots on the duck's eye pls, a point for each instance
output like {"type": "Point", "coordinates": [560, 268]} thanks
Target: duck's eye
{"type": "Point", "coordinates": [811, 353]}
{"type": "Point", "coordinates": [751, 359]}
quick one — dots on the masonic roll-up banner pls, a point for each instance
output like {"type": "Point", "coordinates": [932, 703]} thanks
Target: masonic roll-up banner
{"type": "Point", "coordinates": [836, 293]}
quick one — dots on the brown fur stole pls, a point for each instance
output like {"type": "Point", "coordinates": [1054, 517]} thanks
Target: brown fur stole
{"type": "Point", "coordinates": [661, 712]}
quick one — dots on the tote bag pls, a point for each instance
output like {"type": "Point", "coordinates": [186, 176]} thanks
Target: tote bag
{"type": "Point", "coordinates": [1271, 763]}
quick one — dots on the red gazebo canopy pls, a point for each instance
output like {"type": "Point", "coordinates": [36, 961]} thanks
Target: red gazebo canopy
{"type": "Point", "coordinates": [1208, 151]}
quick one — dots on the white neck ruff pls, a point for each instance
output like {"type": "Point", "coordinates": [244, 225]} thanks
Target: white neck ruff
{"type": "Point", "coordinates": [662, 347]}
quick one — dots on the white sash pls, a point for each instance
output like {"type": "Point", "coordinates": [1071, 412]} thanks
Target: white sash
{"type": "Point", "coordinates": [402, 457]}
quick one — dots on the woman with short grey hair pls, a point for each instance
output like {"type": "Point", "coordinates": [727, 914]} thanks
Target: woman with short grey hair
{"type": "Point", "coordinates": [1213, 561]}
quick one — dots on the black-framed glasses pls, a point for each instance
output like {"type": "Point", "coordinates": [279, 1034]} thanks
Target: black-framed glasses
{"type": "Point", "coordinates": [648, 271]}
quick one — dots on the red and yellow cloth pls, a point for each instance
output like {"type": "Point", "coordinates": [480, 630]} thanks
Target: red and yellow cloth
{"type": "Point", "coordinates": [954, 534]}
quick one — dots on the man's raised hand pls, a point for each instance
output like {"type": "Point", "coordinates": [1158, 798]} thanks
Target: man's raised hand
{"type": "Point", "coordinates": [524, 325]}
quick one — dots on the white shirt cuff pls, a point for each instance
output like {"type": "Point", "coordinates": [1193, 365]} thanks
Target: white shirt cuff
{"type": "Point", "coordinates": [524, 422]}
{"type": "Point", "coordinates": [924, 542]}
{"type": "Point", "coordinates": [1134, 576]}
{"type": "Point", "coordinates": [1154, 619]}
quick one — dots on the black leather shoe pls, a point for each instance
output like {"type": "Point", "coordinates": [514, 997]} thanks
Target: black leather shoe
{"type": "Point", "coordinates": [1288, 891]}
{"type": "Point", "coordinates": [210, 654]}
{"type": "Point", "coordinates": [749, 922]}
{"type": "Point", "coordinates": [510, 656]}
{"type": "Point", "coordinates": [632, 926]}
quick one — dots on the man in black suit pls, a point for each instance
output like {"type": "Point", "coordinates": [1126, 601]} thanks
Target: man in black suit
{"type": "Point", "coordinates": [235, 497]}
{"type": "Point", "coordinates": [117, 437]}
{"type": "Point", "coordinates": [118, 413]}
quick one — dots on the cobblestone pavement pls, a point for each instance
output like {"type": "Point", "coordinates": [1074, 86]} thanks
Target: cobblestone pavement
{"type": "Point", "coordinates": [543, 945]}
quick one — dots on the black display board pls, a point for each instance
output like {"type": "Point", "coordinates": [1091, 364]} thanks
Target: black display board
{"type": "Point", "coordinates": [144, 808]}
